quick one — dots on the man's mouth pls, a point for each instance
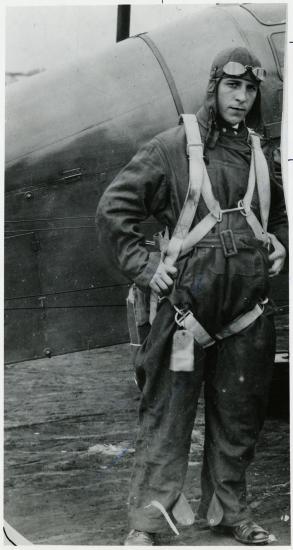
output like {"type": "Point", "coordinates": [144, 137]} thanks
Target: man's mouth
{"type": "Point", "coordinates": [237, 109]}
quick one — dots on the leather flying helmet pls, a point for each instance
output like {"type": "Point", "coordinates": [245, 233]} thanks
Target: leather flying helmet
{"type": "Point", "coordinates": [246, 66]}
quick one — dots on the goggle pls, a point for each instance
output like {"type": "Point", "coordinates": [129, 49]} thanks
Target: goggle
{"type": "Point", "coordinates": [233, 68]}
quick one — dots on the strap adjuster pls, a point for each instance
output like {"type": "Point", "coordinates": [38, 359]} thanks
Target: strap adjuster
{"type": "Point", "coordinates": [228, 243]}
{"type": "Point", "coordinates": [192, 145]}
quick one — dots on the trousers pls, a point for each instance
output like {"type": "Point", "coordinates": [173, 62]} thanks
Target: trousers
{"type": "Point", "coordinates": [236, 374]}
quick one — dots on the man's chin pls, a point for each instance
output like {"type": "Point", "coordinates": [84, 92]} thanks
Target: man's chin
{"type": "Point", "coordinates": [232, 120]}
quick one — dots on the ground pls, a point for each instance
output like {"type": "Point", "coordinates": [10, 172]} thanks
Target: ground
{"type": "Point", "coordinates": [69, 446]}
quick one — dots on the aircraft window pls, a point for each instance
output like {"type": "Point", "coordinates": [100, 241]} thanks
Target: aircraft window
{"type": "Point", "coordinates": [277, 42]}
{"type": "Point", "coordinates": [267, 14]}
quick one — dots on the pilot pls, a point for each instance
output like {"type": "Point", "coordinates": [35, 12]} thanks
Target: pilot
{"type": "Point", "coordinates": [220, 285]}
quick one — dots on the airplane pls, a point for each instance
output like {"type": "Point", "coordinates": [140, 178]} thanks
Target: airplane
{"type": "Point", "coordinates": [69, 132]}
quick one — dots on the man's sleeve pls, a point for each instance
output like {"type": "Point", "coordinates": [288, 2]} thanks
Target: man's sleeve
{"type": "Point", "coordinates": [138, 191]}
{"type": "Point", "coordinates": [278, 221]}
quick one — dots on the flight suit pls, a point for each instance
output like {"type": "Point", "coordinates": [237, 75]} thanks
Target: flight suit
{"type": "Point", "coordinates": [237, 371]}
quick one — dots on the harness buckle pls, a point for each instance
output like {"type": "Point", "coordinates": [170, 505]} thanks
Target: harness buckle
{"type": "Point", "coordinates": [228, 243]}
{"type": "Point", "coordinates": [180, 315]}
{"type": "Point", "coordinates": [218, 214]}
{"type": "Point", "coordinates": [262, 303]}
{"type": "Point", "coordinates": [243, 209]}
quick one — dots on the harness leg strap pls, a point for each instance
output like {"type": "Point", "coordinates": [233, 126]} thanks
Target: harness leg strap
{"type": "Point", "coordinates": [241, 322]}
{"type": "Point", "coordinates": [203, 338]}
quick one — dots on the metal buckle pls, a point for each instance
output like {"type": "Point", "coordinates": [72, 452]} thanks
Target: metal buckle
{"type": "Point", "coordinates": [180, 315]}
{"type": "Point", "coordinates": [262, 303]}
{"type": "Point", "coordinates": [217, 214]}
{"type": "Point", "coordinates": [243, 210]}
{"type": "Point", "coordinates": [228, 243]}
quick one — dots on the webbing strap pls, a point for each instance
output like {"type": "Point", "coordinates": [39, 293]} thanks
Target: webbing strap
{"type": "Point", "coordinates": [240, 323]}
{"type": "Point", "coordinates": [166, 71]}
{"type": "Point", "coordinates": [196, 176]}
{"type": "Point", "coordinates": [190, 323]}
{"type": "Point", "coordinates": [262, 179]}
{"type": "Point", "coordinates": [247, 199]}
{"type": "Point", "coordinates": [153, 306]}
{"type": "Point", "coordinates": [199, 232]}
{"type": "Point", "coordinates": [209, 221]}
{"type": "Point", "coordinates": [207, 194]}
{"type": "Point", "coordinates": [256, 226]}
{"type": "Point", "coordinates": [203, 338]}
{"type": "Point", "coordinates": [258, 172]}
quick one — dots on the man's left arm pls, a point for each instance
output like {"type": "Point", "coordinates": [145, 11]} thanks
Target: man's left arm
{"type": "Point", "coordinates": [278, 221]}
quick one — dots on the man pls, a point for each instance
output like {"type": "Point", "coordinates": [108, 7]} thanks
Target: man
{"type": "Point", "coordinates": [224, 277]}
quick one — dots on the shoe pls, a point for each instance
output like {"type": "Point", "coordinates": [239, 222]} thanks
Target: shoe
{"type": "Point", "coordinates": [247, 532]}
{"type": "Point", "coordinates": [139, 538]}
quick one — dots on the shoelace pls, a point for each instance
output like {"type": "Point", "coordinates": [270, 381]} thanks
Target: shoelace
{"type": "Point", "coordinates": [249, 528]}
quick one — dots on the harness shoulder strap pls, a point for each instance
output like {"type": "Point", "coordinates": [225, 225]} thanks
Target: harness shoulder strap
{"type": "Point", "coordinates": [262, 178]}
{"type": "Point", "coordinates": [196, 175]}
{"type": "Point", "coordinates": [199, 184]}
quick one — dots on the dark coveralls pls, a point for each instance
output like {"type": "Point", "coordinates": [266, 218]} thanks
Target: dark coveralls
{"type": "Point", "coordinates": [237, 371]}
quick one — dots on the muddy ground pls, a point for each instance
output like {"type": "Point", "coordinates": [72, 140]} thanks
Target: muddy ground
{"type": "Point", "coordinates": [70, 431]}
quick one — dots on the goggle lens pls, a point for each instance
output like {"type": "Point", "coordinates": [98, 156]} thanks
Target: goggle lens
{"type": "Point", "coordinates": [232, 68]}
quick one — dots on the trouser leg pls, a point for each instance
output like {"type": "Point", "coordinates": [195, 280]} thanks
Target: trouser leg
{"type": "Point", "coordinates": [166, 418]}
{"type": "Point", "coordinates": [236, 392]}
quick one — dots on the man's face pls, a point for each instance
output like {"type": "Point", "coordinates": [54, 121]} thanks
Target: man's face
{"type": "Point", "coordinates": [235, 98]}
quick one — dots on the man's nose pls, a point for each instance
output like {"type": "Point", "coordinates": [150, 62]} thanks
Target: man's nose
{"type": "Point", "coordinates": [241, 94]}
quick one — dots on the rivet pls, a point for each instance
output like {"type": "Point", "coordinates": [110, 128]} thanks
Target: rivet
{"type": "Point", "coordinates": [28, 196]}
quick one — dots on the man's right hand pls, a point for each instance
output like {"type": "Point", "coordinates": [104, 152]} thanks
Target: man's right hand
{"type": "Point", "coordinates": [162, 280]}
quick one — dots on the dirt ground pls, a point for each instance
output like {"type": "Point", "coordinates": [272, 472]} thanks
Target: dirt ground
{"type": "Point", "coordinates": [70, 424]}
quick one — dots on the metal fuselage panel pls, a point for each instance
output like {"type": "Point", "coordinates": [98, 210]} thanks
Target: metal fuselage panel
{"type": "Point", "coordinates": [68, 133]}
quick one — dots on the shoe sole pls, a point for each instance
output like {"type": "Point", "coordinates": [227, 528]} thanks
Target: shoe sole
{"type": "Point", "coordinates": [252, 543]}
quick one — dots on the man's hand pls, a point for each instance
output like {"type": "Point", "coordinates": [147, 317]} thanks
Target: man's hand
{"type": "Point", "coordinates": [277, 257]}
{"type": "Point", "coordinates": [162, 280]}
